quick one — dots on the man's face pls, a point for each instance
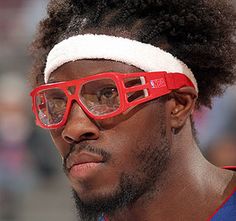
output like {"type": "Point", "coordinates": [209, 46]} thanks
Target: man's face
{"type": "Point", "coordinates": [114, 161]}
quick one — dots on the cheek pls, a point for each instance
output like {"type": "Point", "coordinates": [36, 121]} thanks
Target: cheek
{"type": "Point", "coordinates": [130, 137]}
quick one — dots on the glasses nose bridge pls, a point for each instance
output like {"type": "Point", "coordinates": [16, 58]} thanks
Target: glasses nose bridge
{"type": "Point", "coordinates": [74, 97]}
{"type": "Point", "coordinates": [72, 92]}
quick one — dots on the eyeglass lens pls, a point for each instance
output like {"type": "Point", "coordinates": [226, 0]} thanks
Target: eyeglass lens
{"type": "Point", "coordinates": [51, 105]}
{"type": "Point", "coordinates": [99, 97]}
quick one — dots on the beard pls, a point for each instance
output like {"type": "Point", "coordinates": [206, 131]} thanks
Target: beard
{"type": "Point", "coordinates": [151, 161]}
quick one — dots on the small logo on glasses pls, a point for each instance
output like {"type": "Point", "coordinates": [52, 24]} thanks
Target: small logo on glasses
{"type": "Point", "coordinates": [158, 83]}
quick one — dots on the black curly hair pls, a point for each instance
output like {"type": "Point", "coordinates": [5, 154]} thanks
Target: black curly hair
{"type": "Point", "coordinates": [201, 33]}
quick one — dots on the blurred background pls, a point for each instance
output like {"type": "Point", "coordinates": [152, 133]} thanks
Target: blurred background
{"type": "Point", "coordinates": [32, 184]}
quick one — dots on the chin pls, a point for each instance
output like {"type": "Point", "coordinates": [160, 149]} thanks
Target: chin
{"type": "Point", "coordinates": [92, 204]}
{"type": "Point", "coordinates": [89, 193]}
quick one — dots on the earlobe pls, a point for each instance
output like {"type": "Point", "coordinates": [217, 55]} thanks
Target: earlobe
{"type": "Point", "coordinates": [181, 106]}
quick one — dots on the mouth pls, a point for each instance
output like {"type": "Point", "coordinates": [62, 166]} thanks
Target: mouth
{"type": "Point", "coordinates": [84, 164]}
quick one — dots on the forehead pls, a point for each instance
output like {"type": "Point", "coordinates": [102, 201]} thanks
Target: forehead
{"type": "Point", "coordinates": [86, 67]}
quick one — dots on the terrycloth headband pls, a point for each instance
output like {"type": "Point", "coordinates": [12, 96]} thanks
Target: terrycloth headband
{"type": "Point", "coordinates": [90, 46]}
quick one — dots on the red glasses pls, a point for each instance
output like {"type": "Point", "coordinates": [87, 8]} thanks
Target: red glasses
{"type": "Point", "coordinates": [101, 96]}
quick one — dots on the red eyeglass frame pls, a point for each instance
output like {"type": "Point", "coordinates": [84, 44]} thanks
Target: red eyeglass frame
{"type": "Point", "coordinates": [156, 83]}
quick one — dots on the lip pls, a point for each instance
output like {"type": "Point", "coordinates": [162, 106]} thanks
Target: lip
{"type": "Point", "coordinates": [83, 164]}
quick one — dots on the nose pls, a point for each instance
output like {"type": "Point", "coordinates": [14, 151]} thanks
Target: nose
{"type": "Point", "coordinates": [79, 126]}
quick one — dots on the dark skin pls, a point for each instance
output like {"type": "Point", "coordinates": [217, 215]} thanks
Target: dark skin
{"type": "Point", "coordinates": [190, 188]}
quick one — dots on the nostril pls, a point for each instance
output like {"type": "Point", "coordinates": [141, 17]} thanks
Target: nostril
{"type": "Point", "coordinates": [88, 135]}
{"type": "Point", "coordinates": [85, 136]}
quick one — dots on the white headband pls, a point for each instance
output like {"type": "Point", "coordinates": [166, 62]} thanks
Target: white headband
{"type": "Point", "coordinates": [89, 46]}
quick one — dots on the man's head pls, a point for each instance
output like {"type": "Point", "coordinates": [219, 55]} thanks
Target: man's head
{"type": "Point", "coordinates": [125, 162]}
{"type": "Point", "coordinates": [113, 162]}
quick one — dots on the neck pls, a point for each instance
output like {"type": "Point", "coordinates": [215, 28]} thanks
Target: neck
{"type": "Point", "coordinates": [190, 182]}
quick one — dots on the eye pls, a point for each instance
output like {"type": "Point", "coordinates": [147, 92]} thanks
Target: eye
{"type": "Point", "coordinates": [56, 102]}
{"type": "Point", "coordinates": [56, 108]}
{"type": "Point", "coordinates": [107, 93]}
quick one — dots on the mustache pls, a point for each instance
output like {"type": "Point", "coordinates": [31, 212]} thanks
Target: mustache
{"type": "Point", "coordinates": [85, 147]}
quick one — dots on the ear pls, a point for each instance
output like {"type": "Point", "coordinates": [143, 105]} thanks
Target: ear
{"type": "Point", "coordinates": [181, 106]}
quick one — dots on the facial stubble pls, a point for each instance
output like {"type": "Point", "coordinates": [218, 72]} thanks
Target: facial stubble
{"type": "Point", "coordinates": [151, 161]}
